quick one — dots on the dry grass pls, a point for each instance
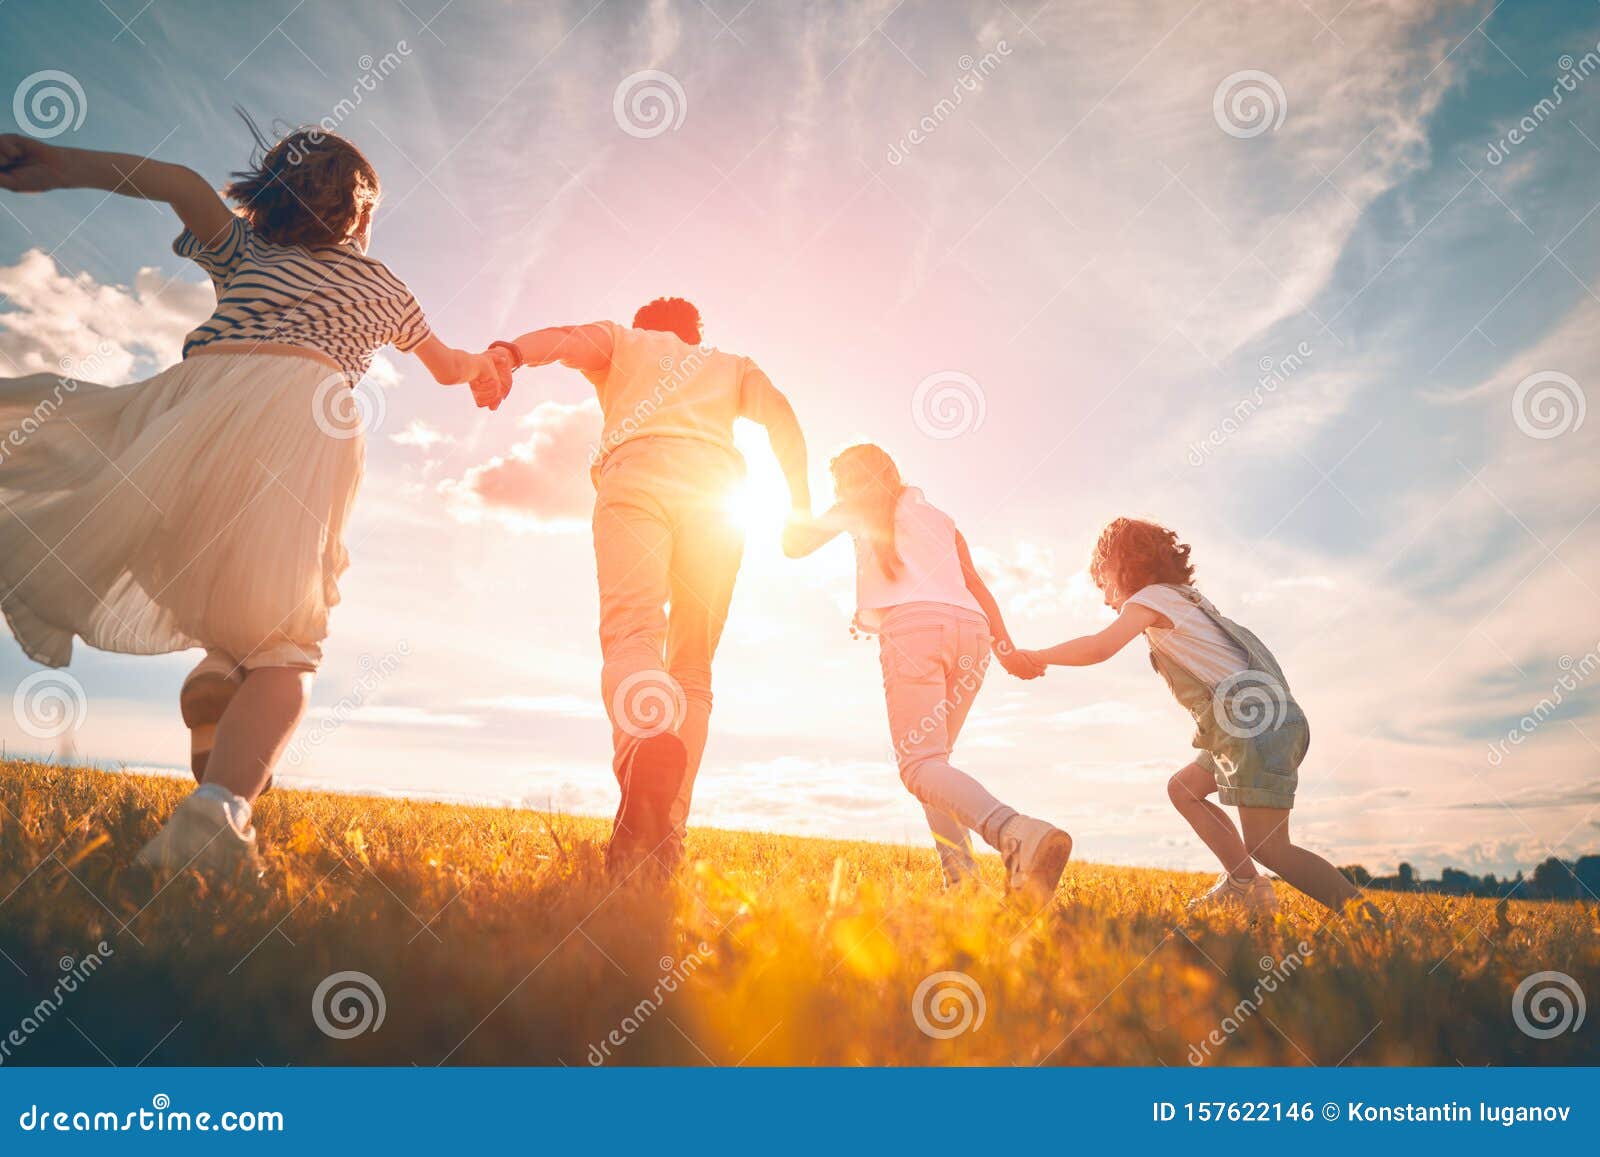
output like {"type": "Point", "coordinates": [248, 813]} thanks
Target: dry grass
{"type": "Point", "coordinates": [496, 938]}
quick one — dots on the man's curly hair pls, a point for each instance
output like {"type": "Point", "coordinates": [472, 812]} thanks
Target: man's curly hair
{"type": "Point", "coordinates": [308, 188]}
{"type": "Point", "coordinates": [670, 315]}
{"type": "Point", "coordinates": [1131, 554]}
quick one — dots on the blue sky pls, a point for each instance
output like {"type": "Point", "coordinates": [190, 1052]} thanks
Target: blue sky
{"type": "Point", "coordinates": [1079, 236]}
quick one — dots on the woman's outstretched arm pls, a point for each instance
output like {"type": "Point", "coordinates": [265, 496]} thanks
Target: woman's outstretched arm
{"type": "Point", "coordinates": [30, 166]}
{"type": "Point", "coordinates": [452, 367]}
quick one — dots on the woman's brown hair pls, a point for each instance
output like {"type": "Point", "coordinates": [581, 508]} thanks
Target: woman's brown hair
{"type": "Point", "coordinates": [307, 188]}
{"type": "Point", "coordinates": [867, 481]}
{"type": "Point", "coordinates": [1131, 554]}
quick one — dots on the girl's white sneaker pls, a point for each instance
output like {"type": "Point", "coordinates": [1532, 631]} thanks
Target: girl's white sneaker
{"type": "Point", "coordinates": [209, 831]}
{"type": "Point", "coordinates": [1253, 895]}
{"type": "Point", "coordinates": [1035, 854]}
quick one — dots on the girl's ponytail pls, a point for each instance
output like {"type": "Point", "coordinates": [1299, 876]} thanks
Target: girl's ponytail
{"type": "Point", "coordinates": [868, 483]}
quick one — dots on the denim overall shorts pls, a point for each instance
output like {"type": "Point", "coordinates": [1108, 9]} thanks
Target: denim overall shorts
{"type": "Point", "coordinates": [1251, 733]}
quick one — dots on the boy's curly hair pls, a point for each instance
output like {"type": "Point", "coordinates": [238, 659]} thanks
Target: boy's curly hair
{"type": "Point", "coordinates": [1132, 554]}
{"type": "Point", "coordinates": [308, 188]}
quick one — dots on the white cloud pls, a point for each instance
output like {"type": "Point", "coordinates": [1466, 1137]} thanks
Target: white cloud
{"type": "Point", "coordinates": [380, 715]}
{"type": "Point", "coordinates": [1029, 582]}
{"type": "Point", "coordinates": [1107, 713]}
{"type": "Point", "coordinates": [1295, 586]}
{"type": "Point", "coordinates": [54, 322]}
{"type": "Point", "coordinates": [383, 372]}
{"type": "Point", "coordinates": [543, 481]}
{"type": "Point", "coordinates": [423, 435]}
{"type": "Point", "coordinates": [570, 706]}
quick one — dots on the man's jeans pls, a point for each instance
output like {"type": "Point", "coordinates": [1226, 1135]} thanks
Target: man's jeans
{"type": "Point", "coordinates": [663, 535]}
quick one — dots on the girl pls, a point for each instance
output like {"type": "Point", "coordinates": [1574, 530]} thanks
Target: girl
{"type": "Point", "coordinates": [1251, 733]}
{"type": "Point", "coordinates": [917, 589]}
{"type": "Point", "coordinates": [205, 507]}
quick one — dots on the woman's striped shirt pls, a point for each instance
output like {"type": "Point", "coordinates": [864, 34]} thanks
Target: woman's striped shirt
{"type": "Point", "coordinates": [333, 298]}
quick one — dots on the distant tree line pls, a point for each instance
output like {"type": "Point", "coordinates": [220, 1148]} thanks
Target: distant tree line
{"type": "Point", "coordinates": [1554, 879]}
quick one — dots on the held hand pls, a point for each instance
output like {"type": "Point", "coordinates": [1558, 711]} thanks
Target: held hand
{"type": "Point", "coordinates": [29, 166]}
{"type": "Point", "coordinates": [503, 368]}
{"type": "Point", "coordinates": [502, 365]}
{"type": "Point", "coordinates": [491, 379]}
{"type": "Point", "coordinates": [1022, 664]}
{"type": "Point", "coordinates": [799, 519]}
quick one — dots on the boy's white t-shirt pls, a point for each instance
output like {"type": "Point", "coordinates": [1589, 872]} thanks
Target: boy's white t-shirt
{"type": "Point", "coordinates": [1194, 640]}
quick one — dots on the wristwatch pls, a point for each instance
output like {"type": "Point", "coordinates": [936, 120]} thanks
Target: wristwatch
{"type": "Point", "coordinates": [510, 348]}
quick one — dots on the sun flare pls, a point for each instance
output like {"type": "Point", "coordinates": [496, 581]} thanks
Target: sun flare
{"type": "Point", "coordinates": [760, 503]}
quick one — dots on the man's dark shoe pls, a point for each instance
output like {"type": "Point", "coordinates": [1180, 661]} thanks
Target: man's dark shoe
{"type": "Point", "coordinates": [643, 825]}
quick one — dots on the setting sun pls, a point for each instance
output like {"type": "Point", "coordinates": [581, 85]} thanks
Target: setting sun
{"type": "Point", "coordinates": [761, 502]}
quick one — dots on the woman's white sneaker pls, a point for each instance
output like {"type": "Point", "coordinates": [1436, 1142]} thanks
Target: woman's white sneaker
{"type": "Point", "coordinates": [1035, 854]}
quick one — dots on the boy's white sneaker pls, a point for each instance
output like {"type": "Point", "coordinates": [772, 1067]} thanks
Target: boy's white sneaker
{"type": "Point", "coordinates": [1253, 895]}
{"type": "Point", "coordinates": [1035, 854]}
{"type": "Point", "coordinates": [209, 831]}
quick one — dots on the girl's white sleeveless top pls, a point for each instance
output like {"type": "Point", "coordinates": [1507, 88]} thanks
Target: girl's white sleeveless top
{"type": "Point", "coordinates": [926, 539]}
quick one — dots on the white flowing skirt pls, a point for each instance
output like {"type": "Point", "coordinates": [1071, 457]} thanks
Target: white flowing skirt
{"type": "Point", "coordinates": [205, 506]}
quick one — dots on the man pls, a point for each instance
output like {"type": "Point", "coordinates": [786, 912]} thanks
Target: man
{"type": "Point", "coordinates": [663, 536]}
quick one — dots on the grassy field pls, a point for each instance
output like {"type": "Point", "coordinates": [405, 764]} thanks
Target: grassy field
{"type": "Point", "coordinates": [495, 937]}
